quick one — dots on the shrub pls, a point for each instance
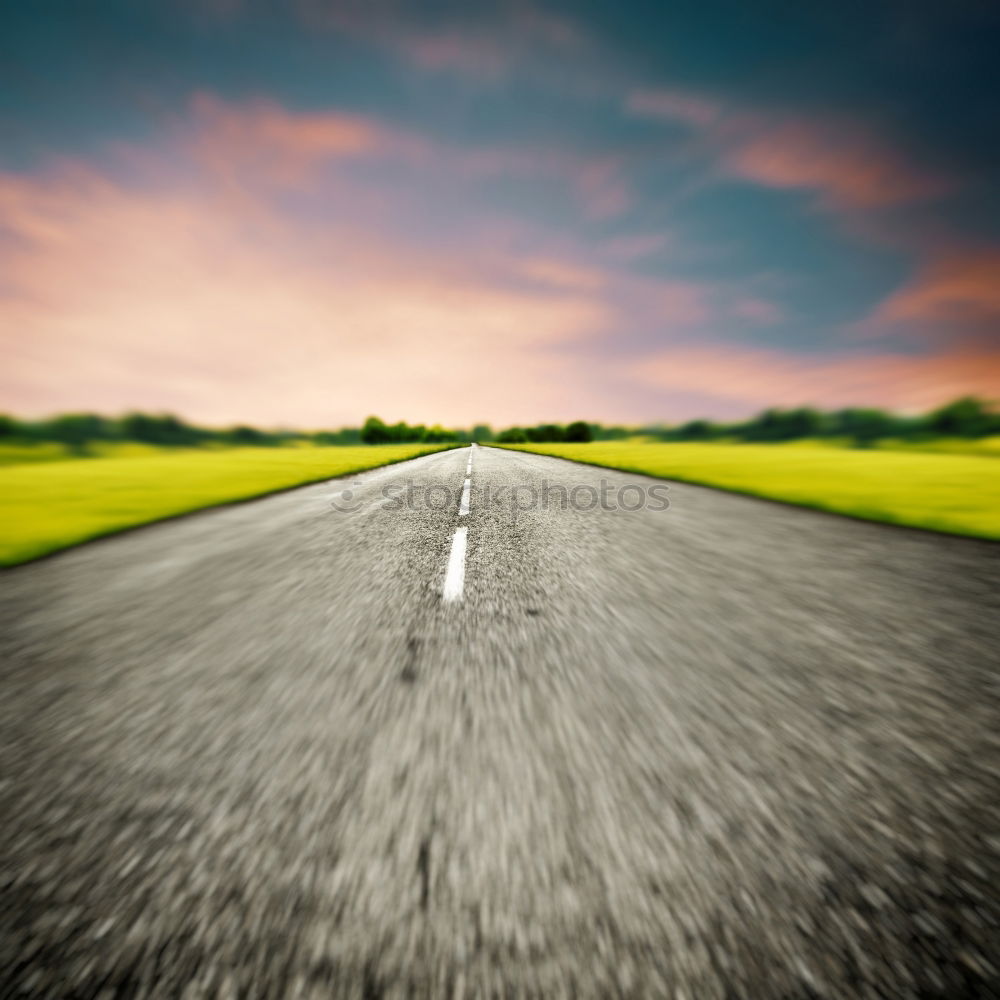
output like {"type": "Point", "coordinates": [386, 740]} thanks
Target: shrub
{"type": "Point", "coordinates": [965, 417]}
{"type": "Point", "coordinates": [374, 431]}
{"type": "Point", "coordinates": [513, 435]}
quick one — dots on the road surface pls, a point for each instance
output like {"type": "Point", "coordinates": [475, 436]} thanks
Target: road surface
{"type": "Point", "coordinates": [729, 749]}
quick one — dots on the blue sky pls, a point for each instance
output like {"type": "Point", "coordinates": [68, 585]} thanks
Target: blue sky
{"type": "Point", "coordinates": [302, 213]}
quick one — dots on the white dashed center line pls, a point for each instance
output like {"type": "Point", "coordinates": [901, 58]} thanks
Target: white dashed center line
{"type": "Point", "coordinates": [454, 580]}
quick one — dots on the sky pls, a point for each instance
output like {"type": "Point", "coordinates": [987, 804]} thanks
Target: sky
{"type": "Point", "coordinates": [301, 213]}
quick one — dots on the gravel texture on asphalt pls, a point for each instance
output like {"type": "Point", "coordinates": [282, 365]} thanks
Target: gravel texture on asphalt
{"type": "Point", "coordinates": [731, 749]}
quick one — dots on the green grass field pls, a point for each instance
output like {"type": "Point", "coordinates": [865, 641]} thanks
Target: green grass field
{"type": "Point", "coordinates": [29, 453]}
{"type": "Point", "coordinates": [49, 505]}
{"type": "Point", "coordinates": [17, 453]}
{"type": "Point", "coordinates": [956, 493]}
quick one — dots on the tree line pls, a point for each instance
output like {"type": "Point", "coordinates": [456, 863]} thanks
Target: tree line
{"type": "Point", "coordinates": [376, 431]}
{"type": "Point", "coordinates": [78, 430]}
{"type": "Point", "coordinates": [863, 426]}
{"type": "Point", "coordinates": [966, 417]}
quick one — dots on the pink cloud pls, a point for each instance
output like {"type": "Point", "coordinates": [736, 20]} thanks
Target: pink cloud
{"type": "Point", "coordinates": [260, 141]}
{"type": "Point", "coordinates": [598, 182]}
{"type": "Point", "coordinates": [602, 187]}
{"type": "Point", "coordinates": [484, 47]}
{"type": "Point", "coordinates": [466, 54]}
{"type": "Point", "coordinates": [751, 378]}
{"type": "Point", "coordinates": [954, 291]}
{"type": "Point", "coordinates": [847, 164]}
{"type": "Point", "coordinates": [553, 30]}
{"type": "Point", "coordinates": [264, 138]}
{"type": "Point", "coordinates": [758, 311]}
{"type": "Point", "coordinates": [488, 55]}
{"type": "Point", "coordinates": [682, 304]}
{"type": "Point", "coordinates": [629, 248]}
{"type": "Point", "coordinates": [563, 274]}
{"type": "Point", "coordinates": [693, 109]}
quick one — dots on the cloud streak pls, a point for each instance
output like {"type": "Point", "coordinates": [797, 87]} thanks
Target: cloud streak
{"type": "Point", "coordinates": [956, 292]}
{"type": "Point", "coordinates": [847, 165]}
{"type": "Point", "coordinates": [744, 378]}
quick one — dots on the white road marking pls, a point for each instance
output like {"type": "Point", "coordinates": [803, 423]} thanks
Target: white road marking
{"type": "Point", "coordinates": [454, 580]}
{"type": "Point", "coordinates": [463, 507]}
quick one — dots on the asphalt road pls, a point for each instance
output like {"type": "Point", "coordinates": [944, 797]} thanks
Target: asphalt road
{"type": "Point", "coordinates": [725, 750]}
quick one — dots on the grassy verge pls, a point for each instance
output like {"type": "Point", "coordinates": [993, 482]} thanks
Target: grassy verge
{"type": "Point", "coordinates": [18, 453]}
{"type": "Point", "coordinates": [959, 494]}
{"type": "Point", "coordinates": [47, 506]}
{"type": "Point", "coordinates": [988, 447]}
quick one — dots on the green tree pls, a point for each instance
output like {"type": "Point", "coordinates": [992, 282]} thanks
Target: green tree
{"type": "Point", "coordinates": [865, 425]}
{"type": "Point", "coordinates": [544, 433]}
{"type": "Point", "coordinates": [10, 426]}
{"type": "Point", "coordinates": [247, 436]}
{"type": "Point", "coordinates": [695, 430]}
{"type": "Point", "coordinates": [439, 435]}
{"type": "Point", "coordinates": [803, 422]}
{"type": "Point", "coordinates": [374, 431]}
{"type": "Point", "coordinates": [346, 435]}
{"type": "Point", "coordinates": [163, 429]}
{"type": "Point", "coordinates": [602, 433]}
{"type": "Point", "coordinates": [579, 432]}
{"type": "Point", "coordinates": [965, 417]}
{"type": "Point", "coordinates": [75, 430]}
{"type": "Point", "coordinates": [513, 435]}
